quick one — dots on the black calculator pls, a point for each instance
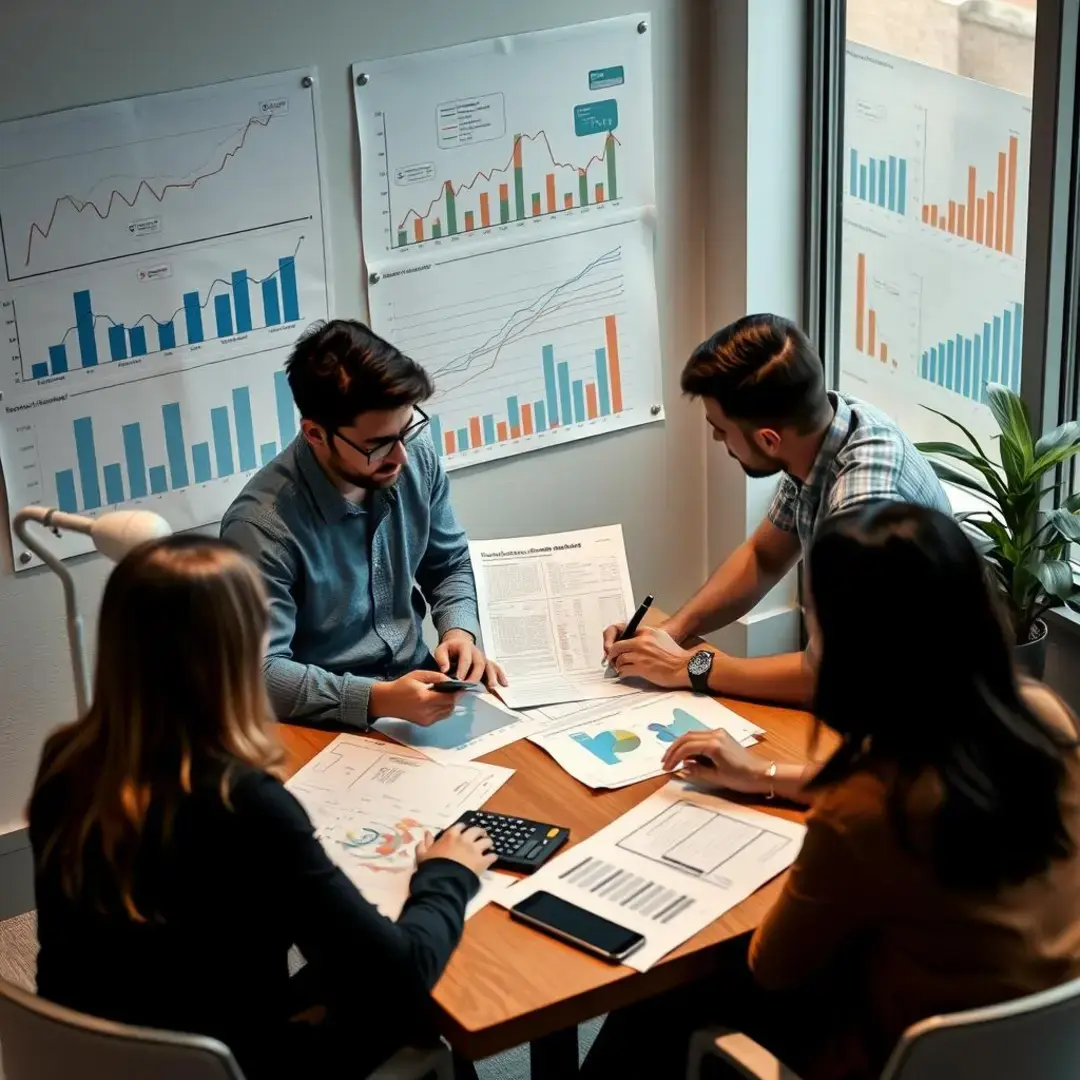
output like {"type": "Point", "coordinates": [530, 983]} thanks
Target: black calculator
{"type": "Point", "coordinates": [521, 845]}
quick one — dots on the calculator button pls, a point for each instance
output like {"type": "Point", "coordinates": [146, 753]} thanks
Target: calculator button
{"type": "Point", "coordinates": [532, 851]}
{"type": "Point", "coordinates": [551, 833]}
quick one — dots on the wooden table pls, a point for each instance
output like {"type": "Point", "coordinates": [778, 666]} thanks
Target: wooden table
{"type": "Point", "coordinates": [507, 984]}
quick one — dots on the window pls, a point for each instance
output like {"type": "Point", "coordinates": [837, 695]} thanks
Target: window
{"type": "Point", "coordinates": [936, 157]}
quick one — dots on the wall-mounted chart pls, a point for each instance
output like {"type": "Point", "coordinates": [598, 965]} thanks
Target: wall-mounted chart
{"type": "Point", "coordinates": [935, 213]}
{"type": "Point", "coordinates": [154, 279]}
{"type": "Point", "coordinates": [488, 192]}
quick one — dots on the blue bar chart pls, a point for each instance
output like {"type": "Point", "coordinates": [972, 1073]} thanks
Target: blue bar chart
{"type": "Point", "coordinates": [226, 308]}
{"type": "Point", "coordinates": [566, 400]}
{"type": "Point", "coordinates": [968, 361]}
{"type": "Point", "coordinates": [92, 483]}
{"type": "Point", "coordinates": [880, 181]}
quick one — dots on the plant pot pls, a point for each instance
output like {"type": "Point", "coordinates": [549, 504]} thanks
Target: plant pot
{"type": "Point", "coordinates": [1030, 657]}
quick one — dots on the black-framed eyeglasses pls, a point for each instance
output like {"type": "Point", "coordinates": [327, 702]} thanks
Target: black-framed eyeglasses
{"type": "Point", "coordinates": [382, 447]}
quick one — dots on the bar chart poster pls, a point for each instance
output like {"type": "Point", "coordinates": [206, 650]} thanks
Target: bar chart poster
{"type": "Point", "coordinates": [934, 237]}
{"type": "Point", "coordinates": [174, 233]}
{"type": "Point", "coordinates": [533, 346]}
{"type": "Point", "coordinates": [493, 140]}
{"type": "Point", "coordinates": [184, 445]}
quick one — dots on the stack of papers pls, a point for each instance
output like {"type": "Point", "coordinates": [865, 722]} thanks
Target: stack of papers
{"type": "Point", "coordinates": [545, 602]}
{"type": "Point", "coordinates": [669, 867]}
{"type": "Point", "coordinates": [619, 743]}
{"type": "Point", "coordinates": [371, 808]}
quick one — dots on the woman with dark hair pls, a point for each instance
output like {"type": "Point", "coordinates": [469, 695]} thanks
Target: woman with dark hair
{"type": "Point", "coordinates": [174, 871]}
{"type": "Point", "coordinates": [940, 868]}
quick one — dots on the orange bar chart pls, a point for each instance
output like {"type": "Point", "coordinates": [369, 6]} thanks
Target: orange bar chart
{"type": "Point", "coordinates": [485, 210]}
{"type": "Point", "coordinates": [549, 185]}
{"type": "Point", "coordinates": [867, 331]}
{"type": "Point", "coordinates": [988, 218]}
{"type": "Point", "coordinates": [565, 400]}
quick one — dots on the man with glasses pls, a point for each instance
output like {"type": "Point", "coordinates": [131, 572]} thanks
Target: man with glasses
{"type": "Point", "coordinates": [353, 531]}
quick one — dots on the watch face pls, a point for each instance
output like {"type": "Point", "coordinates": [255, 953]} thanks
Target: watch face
{"type": "Point", "coordinates": [700, 662]}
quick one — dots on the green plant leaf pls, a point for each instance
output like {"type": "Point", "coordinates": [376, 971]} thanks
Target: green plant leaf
{"type": "Point", "coordinates": [998, 535]}
{"type": "Point", "coordinates": [1067, 434]}
{"type": "Point", "coordinates": [1056, 577]}
{"type": "Point", "coordinates": [952, 475]}
{"type": "Point", "coordinates": [1012, 461]}
{"type": "Point", "coordinates": [1011, 415]}
{"type": "Point", "coordinates": [975, 461]}
{"type": "Point", "coordinates": [1052, 458]}
{"type": "Point", "coordinates": [956, 423]}
{"type": "Point", "coordinates": [1067, 524]}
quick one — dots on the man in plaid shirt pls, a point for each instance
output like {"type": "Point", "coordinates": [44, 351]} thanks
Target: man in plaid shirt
{"type": "Point", "coordinates": [763, 388]}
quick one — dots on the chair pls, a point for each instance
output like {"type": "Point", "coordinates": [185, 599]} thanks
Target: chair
{"type": "Point", "coordinates": [43, 1041]}
{"type": "Point", "coordinates": [1035, 1037]}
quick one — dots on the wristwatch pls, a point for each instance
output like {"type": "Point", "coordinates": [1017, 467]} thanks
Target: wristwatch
{"type": "Point", "coordinates": [698, 667]}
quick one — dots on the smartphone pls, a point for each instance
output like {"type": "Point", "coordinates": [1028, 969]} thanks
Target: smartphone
{"type": "Point", "coordinates": [579, 927]}
{"type": "Point", "coordinates": [456, 686]}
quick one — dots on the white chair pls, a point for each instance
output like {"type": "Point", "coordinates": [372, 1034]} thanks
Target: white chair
{"type": "Point", "coordinates": [1032, 1038]}
{"type": "Point", "coordinates": [43, 1041]}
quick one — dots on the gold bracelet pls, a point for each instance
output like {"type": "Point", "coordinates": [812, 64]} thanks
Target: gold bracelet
{"type": "Point", "coordinates": [770, 774]}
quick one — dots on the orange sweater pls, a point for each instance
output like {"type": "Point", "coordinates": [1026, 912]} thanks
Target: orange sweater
{"type": "Point", "coordinates": [870, 917]}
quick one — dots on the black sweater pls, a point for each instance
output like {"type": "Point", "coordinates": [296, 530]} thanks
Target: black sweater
{"type": "Point", "coordinates": [233, 890]}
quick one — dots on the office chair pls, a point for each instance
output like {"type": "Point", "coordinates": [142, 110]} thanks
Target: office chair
{"type": "Point", "coordinates": [43, 1041]}
{"type": "Point", "coordinates": [1035, 1037]}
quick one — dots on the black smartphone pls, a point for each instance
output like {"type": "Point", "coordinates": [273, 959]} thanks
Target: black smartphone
{"type": "Point", "coordinates": [579, 927]}
{"type": "Point", "coordinates": [456, 686]}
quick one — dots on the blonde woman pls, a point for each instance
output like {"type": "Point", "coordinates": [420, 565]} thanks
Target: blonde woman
{"type": "Point", "coordinates": [173, 869]}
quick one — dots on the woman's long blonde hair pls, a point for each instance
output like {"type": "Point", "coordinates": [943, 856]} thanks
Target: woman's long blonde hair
{"type": "Point", "coordinates": [178, 689]}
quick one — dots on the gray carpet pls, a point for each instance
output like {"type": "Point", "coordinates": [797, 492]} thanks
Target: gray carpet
{"type": "Point", "coordinates": [18, 952]}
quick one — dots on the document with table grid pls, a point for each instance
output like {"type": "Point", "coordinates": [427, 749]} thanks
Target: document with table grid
{"type": "Point", "coordinates": [669, 867]}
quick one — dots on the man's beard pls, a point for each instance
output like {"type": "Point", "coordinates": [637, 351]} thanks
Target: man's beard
{"type": "Point", "coordinates": [368, 481]}
{"type": "Point", "coordinates": [759, 474]}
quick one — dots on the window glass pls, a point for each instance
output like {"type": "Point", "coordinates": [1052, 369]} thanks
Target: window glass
{"type": "Point", "coordinates": [937, 126]}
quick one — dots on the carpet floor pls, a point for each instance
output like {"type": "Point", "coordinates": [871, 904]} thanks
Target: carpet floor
{"type": "Point", "coordinates": [18, 954]}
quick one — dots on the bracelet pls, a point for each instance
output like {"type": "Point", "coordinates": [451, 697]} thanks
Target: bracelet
{"type": "Point", "coordinates": [770, 774]}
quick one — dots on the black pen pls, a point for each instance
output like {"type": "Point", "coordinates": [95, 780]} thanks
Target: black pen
{"type": "Point", "coordinates": [635, 622]}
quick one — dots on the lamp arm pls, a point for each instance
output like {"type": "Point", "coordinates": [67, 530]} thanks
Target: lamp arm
{"type": "Point", "coordinates": [76, 647]}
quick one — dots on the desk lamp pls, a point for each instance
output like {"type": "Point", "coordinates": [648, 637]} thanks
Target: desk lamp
{"type": "Point", "coordinates": [114, 535]}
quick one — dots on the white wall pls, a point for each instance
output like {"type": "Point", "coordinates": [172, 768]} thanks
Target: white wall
{"type": "Point", "coordinates": [60, 53]}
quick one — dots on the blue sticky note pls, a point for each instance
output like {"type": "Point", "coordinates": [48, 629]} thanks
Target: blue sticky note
{"type": "Point", "coordinates": [596, 116]}
{"type": "Point", "coordinates": [602, 78]}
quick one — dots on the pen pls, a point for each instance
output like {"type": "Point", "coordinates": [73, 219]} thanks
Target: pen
{"type": "Point", "coordinates": [635, 621]}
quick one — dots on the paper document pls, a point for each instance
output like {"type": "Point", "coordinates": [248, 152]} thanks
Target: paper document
{"type": "Point", "coordinates": [371, 806]}
{"type": "Point", "coordinates": [479, 724]}
{"type": "Point", "coordinates": [669, 867]}
{"type": "Point", "coordinates": [544, 604]}
{"type": "Point", "coordinates": [621, 742]}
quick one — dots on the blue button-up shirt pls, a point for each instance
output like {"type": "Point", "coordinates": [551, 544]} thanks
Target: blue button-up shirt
{"type": "Point", "coordinates": [348, 583]}
{"type": "Point", "coordinates": [865, 457]}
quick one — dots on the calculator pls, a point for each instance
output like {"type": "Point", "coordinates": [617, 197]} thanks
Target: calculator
{"type": "Point", "coordinates": [521, 845]}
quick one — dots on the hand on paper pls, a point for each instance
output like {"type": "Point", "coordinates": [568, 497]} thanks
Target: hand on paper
{"type": "Point", "coordinates": [615, 629]}
{"type": "Point", "coordinates": [653, 655]}
{"type": "Point", "coordinates": [411, 698]}
{"type": "Point", "coordinates": [471, 847]}
{"type": "Point", "coordinates": [459, 657]}
{"type": "Point", "coordinates": [723, 762]}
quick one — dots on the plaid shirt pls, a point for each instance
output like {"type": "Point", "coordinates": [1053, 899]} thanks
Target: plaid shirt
{"type": "Point", "coordinates": [865, 457]}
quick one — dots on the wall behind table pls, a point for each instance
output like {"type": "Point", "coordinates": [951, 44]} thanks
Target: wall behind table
{"type": "Point", "coordinates": [56, 54]}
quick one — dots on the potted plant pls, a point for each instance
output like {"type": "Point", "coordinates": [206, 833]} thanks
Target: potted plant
{"type": "Point", "coordinates": [1026, 547]}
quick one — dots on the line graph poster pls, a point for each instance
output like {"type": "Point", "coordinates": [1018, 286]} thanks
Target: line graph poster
{"type": "Point", "coordinates": [507, 215]}
{"type": "Point", "coordinates": [534, 345]}
{"type": "Point", "coordinates": [498, 139]}
{"type": "Point", "coordinates": [160, 255]}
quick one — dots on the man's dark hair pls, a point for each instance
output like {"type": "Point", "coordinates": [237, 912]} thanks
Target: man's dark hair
{"type": "Point", "coordinates": [342, 368]}
{"type": "Point", "coordinates": [761, 368]}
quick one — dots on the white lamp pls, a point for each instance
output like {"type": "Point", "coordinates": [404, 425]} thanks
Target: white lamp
{"type": "Point", "coordinates": [114, 535]}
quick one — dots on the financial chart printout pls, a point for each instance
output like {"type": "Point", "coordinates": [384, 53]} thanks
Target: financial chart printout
{"type": "Point", "coordinates": [507, 219]}
{"type": "Point", "coordinates": [159, 257]}
{"type": "Point", "coordinates": [935, 235]}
